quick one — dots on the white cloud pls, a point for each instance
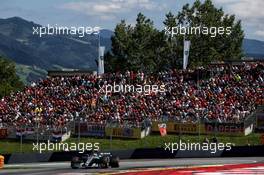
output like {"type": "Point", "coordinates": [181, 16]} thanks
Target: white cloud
{"type": "Point", "coordinates": [251, 12]}
{"type": "Point", "coordinates": [224, 1]}
{"type": "Point", "coordinates": [245, 9]}
{"type": "Point", "coordinates": [260, 33]}
{"type": "Point", "coordinates": [248, 9]}
{"type": "Point", "coordinates": [109, 9]}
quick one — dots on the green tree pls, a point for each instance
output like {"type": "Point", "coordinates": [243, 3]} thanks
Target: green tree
{"type": "Point", "coordinates": [143, 47]}
{"type": "Point", "coordinates": [136, 48]}
{"type": "Point", "coordinates": [9, 81]}
{"type": "Point", "coordinates": [118, 58]}
{"type": "Point", "coordinates": [172, 47]}
{"type": "Point", "coordinates": [204, 48]}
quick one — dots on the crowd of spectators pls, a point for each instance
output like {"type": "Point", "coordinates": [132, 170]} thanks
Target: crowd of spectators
{"type": "Point", "coordinates": [228, 94]}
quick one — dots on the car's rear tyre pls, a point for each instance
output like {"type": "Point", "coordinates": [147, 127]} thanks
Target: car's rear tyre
{"type": "Point", "coordinates": [75, 163]}
{"type": "Point", "coordinates": [114, 163]}
{"type": "Point", "coordinates": [105, 162]}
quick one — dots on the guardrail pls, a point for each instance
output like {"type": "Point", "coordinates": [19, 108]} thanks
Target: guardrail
{"type": "Point", "coordinates": [148, 153]}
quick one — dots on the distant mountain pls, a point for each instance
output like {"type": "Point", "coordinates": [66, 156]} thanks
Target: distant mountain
{"type": "Point", "coordinates": [19, 44]}
{"type": "Point", "coordinates": [254, 48]}
{"type": "Point", "coordinates": [106, 33]}
{"type": "Point", "coordinates": [34, 55]}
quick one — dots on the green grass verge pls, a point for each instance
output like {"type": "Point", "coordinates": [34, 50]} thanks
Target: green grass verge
{"type": "Point", "coordinates": [12, 146]}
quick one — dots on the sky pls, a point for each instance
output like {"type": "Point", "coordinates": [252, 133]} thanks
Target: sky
{"type": "Point", "coordinates": [107, 13]}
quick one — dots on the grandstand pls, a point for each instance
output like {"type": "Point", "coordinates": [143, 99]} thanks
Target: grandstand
{"type": "Point", "coordinates": [229, 94]}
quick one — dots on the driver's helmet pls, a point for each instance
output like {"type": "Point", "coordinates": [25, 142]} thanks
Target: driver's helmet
{"type": "Point", "coordinates": [95, 152]}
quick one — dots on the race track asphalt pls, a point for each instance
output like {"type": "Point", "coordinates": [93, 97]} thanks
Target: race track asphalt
{"type": "Point", "coordinates": [63, 168]}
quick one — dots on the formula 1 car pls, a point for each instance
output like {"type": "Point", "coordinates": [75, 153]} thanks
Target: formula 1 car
{"type": "Point", "coordinates": [94, 159]}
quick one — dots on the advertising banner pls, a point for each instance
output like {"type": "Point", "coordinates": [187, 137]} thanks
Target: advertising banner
{"type": "Point", "coordinates": [184, 128]}
{"type": "Point", "coordinates": [134, 133]}
{"type": "Point", "coordinates": [236, 129]}
{"type": "Point", "coordinates": [90, 129]}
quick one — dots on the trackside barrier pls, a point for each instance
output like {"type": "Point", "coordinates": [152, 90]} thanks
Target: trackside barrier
{"type": "Point", "coordinates": [42, 136]}
{"type": "Point", "coordinates": [153, 153]}
{"type": "Point", "coordinates": [245, 151]}
{"type": "Point", "coordinates": [89, 129]}
{"type": "Point", "coordinates": [29, 157]}
{"type": "Point", "coordinates": [227, 129]}
{"type": "Point", "coordinates": [100, 130]}
{"type": "Point", "coordinates": [133, 133]}
{"type": "Point", "coordinates": [184, 128]}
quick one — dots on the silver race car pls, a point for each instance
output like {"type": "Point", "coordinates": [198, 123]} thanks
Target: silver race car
{"type": "Point", "coordinates": [94, 159]}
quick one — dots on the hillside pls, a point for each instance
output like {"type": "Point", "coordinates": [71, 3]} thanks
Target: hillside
{"type": "Point", "coordinates": [35, 55]}
{"type": "Point", "coordinates": [253, 48]}
{"type": "Point", "coordinates": [18, 44]}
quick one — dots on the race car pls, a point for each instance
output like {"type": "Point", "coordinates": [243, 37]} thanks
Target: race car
{"type": "Point", "coordinates": [94, 159]}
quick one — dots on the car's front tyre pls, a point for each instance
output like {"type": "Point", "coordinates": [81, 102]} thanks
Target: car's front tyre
{"type": "Point", "coordinates": [75, 163]}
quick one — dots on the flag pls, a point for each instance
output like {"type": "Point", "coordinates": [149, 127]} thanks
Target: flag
{"type": "Point", "coordinates": [186, 53]}
{"type": "Point", "coordinates": [21, 132]}
{"type": "Point", "coordinates": [57, 136]}
{"type": "Point", "coordinates": [101, 60]}
{"type": "Point", "coordinates": [163, 129]}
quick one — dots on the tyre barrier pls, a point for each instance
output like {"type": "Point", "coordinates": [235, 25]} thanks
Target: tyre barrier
{"type": "Point", "coordinates": [2, 159]}
{"type": "Point", "coordinates": [151, 153]}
